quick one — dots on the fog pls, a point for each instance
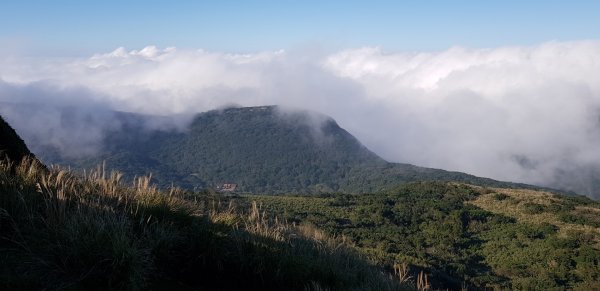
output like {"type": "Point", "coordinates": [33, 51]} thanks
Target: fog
{"type": "Point", "coordinates": [524, 114]}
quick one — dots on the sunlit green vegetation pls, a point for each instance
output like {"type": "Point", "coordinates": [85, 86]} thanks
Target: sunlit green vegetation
{"type": "Point", "coordinates": [441, 228]}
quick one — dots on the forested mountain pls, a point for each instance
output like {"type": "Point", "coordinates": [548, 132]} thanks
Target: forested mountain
{"type": "Point", "coordinates": [261, 149]}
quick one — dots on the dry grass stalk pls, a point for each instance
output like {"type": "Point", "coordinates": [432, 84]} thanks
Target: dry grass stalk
{"type": "Point", "coordinates": [423, 282]}
{"type": "Point", "coordinates": [314, 286]}
{"type": "Point", "coordinates": [401, 272]}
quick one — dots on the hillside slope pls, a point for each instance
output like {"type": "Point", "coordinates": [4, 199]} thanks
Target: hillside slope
{"type": "Point", "coordinates": [59, 230]}
{"type": "Point", "coordinates": [62, 231]}
{"type": "Point", "coordinates": [261, 149]}
{"type": "Point", "coordinates": [11, 145]}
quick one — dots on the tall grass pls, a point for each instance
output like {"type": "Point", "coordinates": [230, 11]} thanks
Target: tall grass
{"type": "Point", "coordinates": [59, 230]}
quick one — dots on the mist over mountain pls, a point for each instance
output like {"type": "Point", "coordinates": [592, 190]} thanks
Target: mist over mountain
{"type": "Point", "coordinates": [516, 113]}
{"type": "Point", "coordinates": [263, 149]}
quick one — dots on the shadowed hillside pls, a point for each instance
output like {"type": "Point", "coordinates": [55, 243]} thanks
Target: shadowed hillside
{"type": "Point", "coordinates": [11, 145]}
{"type": "Point", "coordinates": [60, 231]}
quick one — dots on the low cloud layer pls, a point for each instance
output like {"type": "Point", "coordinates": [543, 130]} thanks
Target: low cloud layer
{"type": "Point", "coordinates": [526, 114]}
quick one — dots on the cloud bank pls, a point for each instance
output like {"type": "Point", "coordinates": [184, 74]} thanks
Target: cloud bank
{"type": "Point", "coordinates": [526, 114]}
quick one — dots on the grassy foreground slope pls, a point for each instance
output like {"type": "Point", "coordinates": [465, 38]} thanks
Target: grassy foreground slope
{"type": "Point", "coordinates": [61, 231]}
{"type": "Point", "coordinates": [464, 236]}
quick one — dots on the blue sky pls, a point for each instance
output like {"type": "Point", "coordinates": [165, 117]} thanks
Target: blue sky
{"type": "Point", "coordinates": [83, 27]}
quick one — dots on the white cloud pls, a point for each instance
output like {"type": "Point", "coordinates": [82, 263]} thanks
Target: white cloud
{"type": "Point", "coordinates": [511, 113]}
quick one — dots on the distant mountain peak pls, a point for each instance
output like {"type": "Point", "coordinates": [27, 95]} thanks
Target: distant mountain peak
{"type": "Point", "coordinates": [250, 108]}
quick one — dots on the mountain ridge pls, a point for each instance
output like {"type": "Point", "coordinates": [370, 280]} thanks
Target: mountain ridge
{"type": "Point", "coordinates": [262, 149]}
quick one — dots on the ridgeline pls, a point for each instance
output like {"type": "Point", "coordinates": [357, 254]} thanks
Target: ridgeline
{"type": "Point", "coordinates": [260, 149]}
